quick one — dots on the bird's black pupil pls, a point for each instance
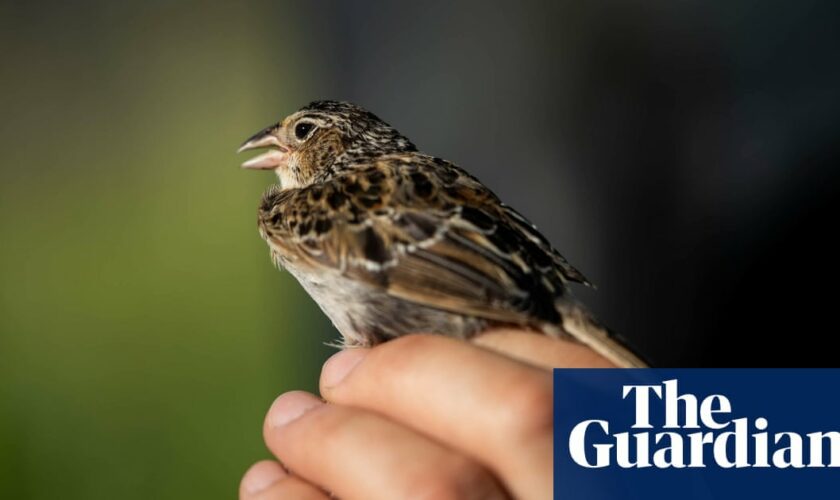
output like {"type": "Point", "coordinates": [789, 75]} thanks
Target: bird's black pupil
{"type": "Point", "coordinates": [302, 130]}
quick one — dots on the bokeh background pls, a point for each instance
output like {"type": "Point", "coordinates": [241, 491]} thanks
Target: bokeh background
{"type": "Point", "coordinates": [684, 155]}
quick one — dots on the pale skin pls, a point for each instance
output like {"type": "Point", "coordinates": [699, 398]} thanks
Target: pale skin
{"type": "Point", "coordinates": [421, 417]}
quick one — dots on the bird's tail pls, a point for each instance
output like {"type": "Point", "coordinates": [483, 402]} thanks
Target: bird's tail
{"type": "Point", "coordinates": [583, 327]}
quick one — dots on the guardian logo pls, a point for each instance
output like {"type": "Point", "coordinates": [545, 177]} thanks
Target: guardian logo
{"type": "Point", "coordinates": [712, 431]}
{"type": "Point", "coordinates": [701, 433]}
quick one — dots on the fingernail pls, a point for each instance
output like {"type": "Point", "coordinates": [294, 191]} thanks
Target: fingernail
{"type": "Point", "coordinates": [261, 476]}
{"type": "Point", "coordinates": [340, 365]}
{"type": "Point", "coordinates": [291, 406]}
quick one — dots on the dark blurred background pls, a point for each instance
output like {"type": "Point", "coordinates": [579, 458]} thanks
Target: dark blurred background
{"type": "Point", "coordinates": [684, 155]}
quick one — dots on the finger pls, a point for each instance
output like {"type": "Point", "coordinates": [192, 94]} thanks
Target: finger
{"type": "Point", "coordinates": [493, 408]}
{"type": "Point", "coordinates": [268, 480]}
{"type": "Point", "coordinates": [541, 350]}
{"type": "Point", "coordinates": [360, 455]}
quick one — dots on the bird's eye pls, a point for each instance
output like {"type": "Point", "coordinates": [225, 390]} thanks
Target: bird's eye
{"type": "Point", "coordinates": [302, 130]}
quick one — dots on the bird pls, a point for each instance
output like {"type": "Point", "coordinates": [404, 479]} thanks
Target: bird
{"type": "Point", "coordinates": [391, 241]}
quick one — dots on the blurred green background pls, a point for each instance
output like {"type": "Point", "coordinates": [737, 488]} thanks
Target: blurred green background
{"type": "Point", "coordinates": [143, 329]}
{"type": "Point", "coordinates": [683, 155]}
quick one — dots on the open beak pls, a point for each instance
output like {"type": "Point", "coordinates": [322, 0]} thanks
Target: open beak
{"type": "Point", "coordinates": [275, 157]}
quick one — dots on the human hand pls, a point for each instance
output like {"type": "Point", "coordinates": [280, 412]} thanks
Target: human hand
{"type": "Point", "coordinates": [423, 416]}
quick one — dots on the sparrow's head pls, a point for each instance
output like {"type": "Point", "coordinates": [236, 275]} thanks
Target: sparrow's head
{"type": "Point", "coordinates": [313, 143]}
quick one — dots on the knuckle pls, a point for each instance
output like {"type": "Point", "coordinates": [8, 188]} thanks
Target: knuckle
{"type": "Point", "coordinates": [530, 408]}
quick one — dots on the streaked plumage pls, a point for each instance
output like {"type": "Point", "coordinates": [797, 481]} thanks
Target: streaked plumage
{"type": "Point", "coordinates": [390, 241]}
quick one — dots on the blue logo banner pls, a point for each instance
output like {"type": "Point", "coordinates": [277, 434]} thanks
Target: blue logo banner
{"type": "Point", "coordinates": [696, 434]}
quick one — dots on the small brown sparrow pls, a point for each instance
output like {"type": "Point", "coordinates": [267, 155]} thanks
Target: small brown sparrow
{"type": "Point", "coordinates": [390, 241]}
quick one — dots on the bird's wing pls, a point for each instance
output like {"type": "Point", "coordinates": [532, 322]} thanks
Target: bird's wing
{"type": "Point", "coordinates": [424, 231]}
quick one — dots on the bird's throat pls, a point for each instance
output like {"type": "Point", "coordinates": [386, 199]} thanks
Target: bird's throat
{"type": "Point", "coordinates": [289, 177]}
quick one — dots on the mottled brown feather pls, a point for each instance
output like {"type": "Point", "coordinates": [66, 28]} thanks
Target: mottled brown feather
{"type": "Point", "coordinates": [424, 231]}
